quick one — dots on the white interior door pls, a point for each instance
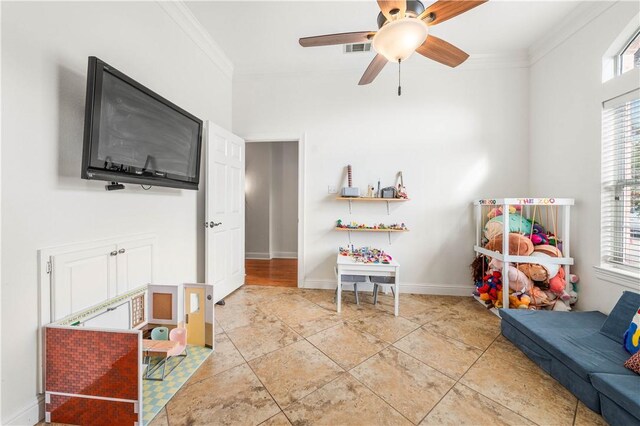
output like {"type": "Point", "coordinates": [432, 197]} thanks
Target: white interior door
{"type": "Point", "coordinates": [224, 211]}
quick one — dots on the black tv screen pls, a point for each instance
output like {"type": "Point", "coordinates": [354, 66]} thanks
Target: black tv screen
{"type": "Point", "coordinates": [134, 135]}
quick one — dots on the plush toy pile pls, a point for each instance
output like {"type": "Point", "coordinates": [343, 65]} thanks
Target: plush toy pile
{"type": "Point", "coordinates": [541, 285]}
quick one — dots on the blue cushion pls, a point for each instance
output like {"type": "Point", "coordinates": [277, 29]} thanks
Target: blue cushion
{"type": "Point", "coordinates": [573, 338]}
{"type": "Point", "coordinates": [623, 390]}
{"type": "Point", "coordinates": [621, 315]}
{"type": "Point", "coordinates": [579, 386]}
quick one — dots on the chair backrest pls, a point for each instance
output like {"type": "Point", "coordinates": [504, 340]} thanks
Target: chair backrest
{"type": "Point", "coordinates": [160, 333]}
{"type": "Point", "coordinates": [179, 335]}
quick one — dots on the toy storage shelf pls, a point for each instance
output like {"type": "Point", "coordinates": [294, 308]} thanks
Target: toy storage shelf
{"type": "Point", "coordinates": [561, 214]}
{"type": "Point", "coordinates": [372, 200]}
{"type": "Point", "coordinates": [371, 230]}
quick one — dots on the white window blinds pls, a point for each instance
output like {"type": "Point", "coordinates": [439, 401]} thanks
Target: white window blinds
{"type": "Point", "coordinates": [621, 181]}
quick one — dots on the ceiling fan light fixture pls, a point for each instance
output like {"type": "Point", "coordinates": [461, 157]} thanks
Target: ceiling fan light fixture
{"type": "Point", "coordinates": [398, 39]}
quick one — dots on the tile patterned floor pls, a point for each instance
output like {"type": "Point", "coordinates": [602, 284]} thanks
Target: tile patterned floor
{"type": "Point", "coordinates": [283, 356]}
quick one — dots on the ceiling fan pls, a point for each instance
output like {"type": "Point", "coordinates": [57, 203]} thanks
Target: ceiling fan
{"type": "Point", "coordinates": [403, 28]}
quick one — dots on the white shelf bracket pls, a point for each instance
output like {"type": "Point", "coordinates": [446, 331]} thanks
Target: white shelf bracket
{"type": "Point", "coordinates": [349, 206]}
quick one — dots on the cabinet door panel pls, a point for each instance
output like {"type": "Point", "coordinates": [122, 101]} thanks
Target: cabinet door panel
{"type": "Point", "coordinates": [82, 279]}
{"type": "Point", "coordinates": [135, 264]}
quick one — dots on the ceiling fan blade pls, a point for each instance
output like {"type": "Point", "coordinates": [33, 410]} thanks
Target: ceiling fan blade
{"type": "Point", "coordinates": [373, 70]}
{"type": "Point", "coordinates": [443, 10]}
{"type": "Point", "coordinates": [441, 51]}
{"type": "Point", "coordinates": [340, 38]}
{"type": "Point", "coordinates": [387, 6]}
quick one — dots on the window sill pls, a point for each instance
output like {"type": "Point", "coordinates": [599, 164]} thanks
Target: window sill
{"type": "Point", "coordinates": [618, 276]}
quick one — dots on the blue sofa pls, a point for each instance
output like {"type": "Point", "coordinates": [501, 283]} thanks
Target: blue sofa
{"type": "Point", "coordinates": [584, 352]}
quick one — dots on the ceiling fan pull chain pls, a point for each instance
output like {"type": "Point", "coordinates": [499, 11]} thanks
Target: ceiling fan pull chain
{"type": "Point", "coordinates": [399, 78]}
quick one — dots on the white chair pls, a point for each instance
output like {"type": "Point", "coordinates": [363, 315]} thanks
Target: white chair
{"type": "Point", "coordinates": [351, 280]}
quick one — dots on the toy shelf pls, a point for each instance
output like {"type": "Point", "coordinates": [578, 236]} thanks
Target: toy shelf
{"type": "Point", "coordinates": [372, 199]}
{"type": "Point", "coordinates": [388, 231]}
{"type": "Point", "coordinates": [371, 230]}
{"type": "Point", "coordinates": [560, 211]}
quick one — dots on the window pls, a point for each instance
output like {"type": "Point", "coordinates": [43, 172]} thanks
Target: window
{"type": "Point", "coordinates": [629, 56]}
{"type": "Point", "coordinates": [621, 181]}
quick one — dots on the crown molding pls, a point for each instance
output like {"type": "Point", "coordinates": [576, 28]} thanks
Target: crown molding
{"type": "Point", "coordinates": [577, 19]}
{"type": "Point", "coordinates": [182, 15]}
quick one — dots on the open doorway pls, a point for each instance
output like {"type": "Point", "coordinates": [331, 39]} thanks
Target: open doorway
{"type": "Point", "coordinates": [271, 213]}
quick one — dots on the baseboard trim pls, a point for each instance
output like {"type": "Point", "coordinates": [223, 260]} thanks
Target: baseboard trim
{"type": "Point", "coordinates": [31, 415]}
{"type": "Point", "coordinates": [257, 255]}
{"type": "Point", "coordinates": [413, 288]}
{"type": "Point", "coordinates": [284, 255]}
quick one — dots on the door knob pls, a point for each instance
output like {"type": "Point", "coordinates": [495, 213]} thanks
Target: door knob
{"type": "Point", "coordinates": [215, 224]}
{"type": "Point", "coordinates": [114, 253]}
{"type": "Point", "coordinates": [211, 224]}
{"type": "Point", "coordinates": [121, 251]}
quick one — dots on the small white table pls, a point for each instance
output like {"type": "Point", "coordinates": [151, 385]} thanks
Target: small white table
{"type": "Point", "coordinates": [348, 266]}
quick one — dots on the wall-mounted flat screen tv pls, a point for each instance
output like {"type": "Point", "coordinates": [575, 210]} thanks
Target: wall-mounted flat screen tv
{"type": "Point", "coordinates": [134, 135]}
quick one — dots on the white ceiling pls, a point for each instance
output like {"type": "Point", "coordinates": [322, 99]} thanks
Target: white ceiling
{"type": "Point", "coordinates": [262, 36]}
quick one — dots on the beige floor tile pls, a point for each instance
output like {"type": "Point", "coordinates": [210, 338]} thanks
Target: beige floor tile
{"type": "Point", "coordinates": [160, 419]}
{"type": "Point", "coordinates": [408, 385]}
{"type": "Point", "coordinates": [343, 402]}
{"type": "Point", "coordinates": [586, 417]}
{"type": "Point", "coordinates": [225, 356]}
{"type": "Point", "coordinates": [446, 355]}
{"type": "Point", "coordinates": [503, 374]}
{"type": "Point", "coordinates": [294, 371]}
{"type": "Point", "coordinates": [385, 326]}
{"type": "Point", "coordinates": [420, 309]}
{"type": "Point", "coordinates": [346, 345]}
{"type": "Point", "coordinates": [232, 316]}
{"type": "Point", "coordinates": [278, 420]}
{"type": "Point", "coordinates": [463, 406]}
{"type": "Point", "coordinates": [261, 337]}
{"type": "Point", "coordinates": [302, 315]}
{"type": "Point", "coordinates": [217, 328]}
{"type": "Point", "coordinates": [235, 396]}
{"type": "Point", "coordinates": [469, 323]}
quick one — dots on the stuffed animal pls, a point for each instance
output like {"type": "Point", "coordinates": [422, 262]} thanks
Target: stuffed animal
{"type": "Point", "coordinates": [631, 337]}
{"type": "Point", "coordinates": [497, 211]}
{"type": "Point", "coordinates": [572, 288]}
{"type": "Point", "coordinates": [478, 267]}
{"type": "Point", "coordinates": [534, 271]}
{"type": "Point", "coordinates": [517, 223]}
{"type": "Point", "coordinates": [519, 301]}
{"type": "Point", "coordinates": [491, 285]}
{"type": "Point", "coordinates": [518, 244]}
{"type": "Point", "coordinates": [538, 297]}
{"type": "Point", "coordinates": [561, 306]}
{"type": "Point", "coordinates": [558, 284]}
{"type": "Point", "coordinates": [518, 280]}
{"type": "Point", "coordinates": [538, 235]}
{"type": "Point", "coordinates": [549, 250]}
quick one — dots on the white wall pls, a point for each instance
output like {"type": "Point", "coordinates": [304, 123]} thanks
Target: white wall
{"type": "Point", "coordinates": [271, 200]}
{"type": "Point", "coordinates": [284, 199]}
{"type": "Point", "coordinates": [258, 200]}
{"type": "Point", "coordinates": [44, 202]}
{"type": "Point", "coordinates": [565, 112]}
{"type": "Point", "coordinates": [456, 134]}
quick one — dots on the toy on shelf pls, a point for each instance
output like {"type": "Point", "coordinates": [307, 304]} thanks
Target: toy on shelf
{"type": "Point", "coordinates": [488, 289]}
{"type": "Point", "coordinates": [366, 254]}
{"type": "Point", "coordinates": [519, 245]}
{"type": "Point", "coordinates": [355, 226]}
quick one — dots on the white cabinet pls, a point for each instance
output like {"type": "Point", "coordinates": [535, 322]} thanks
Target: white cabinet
{"type": "Point", "coordinates": [79, 276]}
{"type": "Point", "coordinates": [81, 279]}
{"type": "Point", "coordinates": [134, 264]}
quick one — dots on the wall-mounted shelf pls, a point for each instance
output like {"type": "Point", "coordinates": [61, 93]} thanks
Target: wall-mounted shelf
{"type": "Point", "coordinates": [372, 199]}
{"type": "Point", "coordinates": [371, 230]}
{"type": "Point", "coordinates": [388, 231]}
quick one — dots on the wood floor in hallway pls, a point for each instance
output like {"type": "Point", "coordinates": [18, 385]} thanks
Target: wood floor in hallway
{"type": "Point", "coordinates": [274, 272]}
